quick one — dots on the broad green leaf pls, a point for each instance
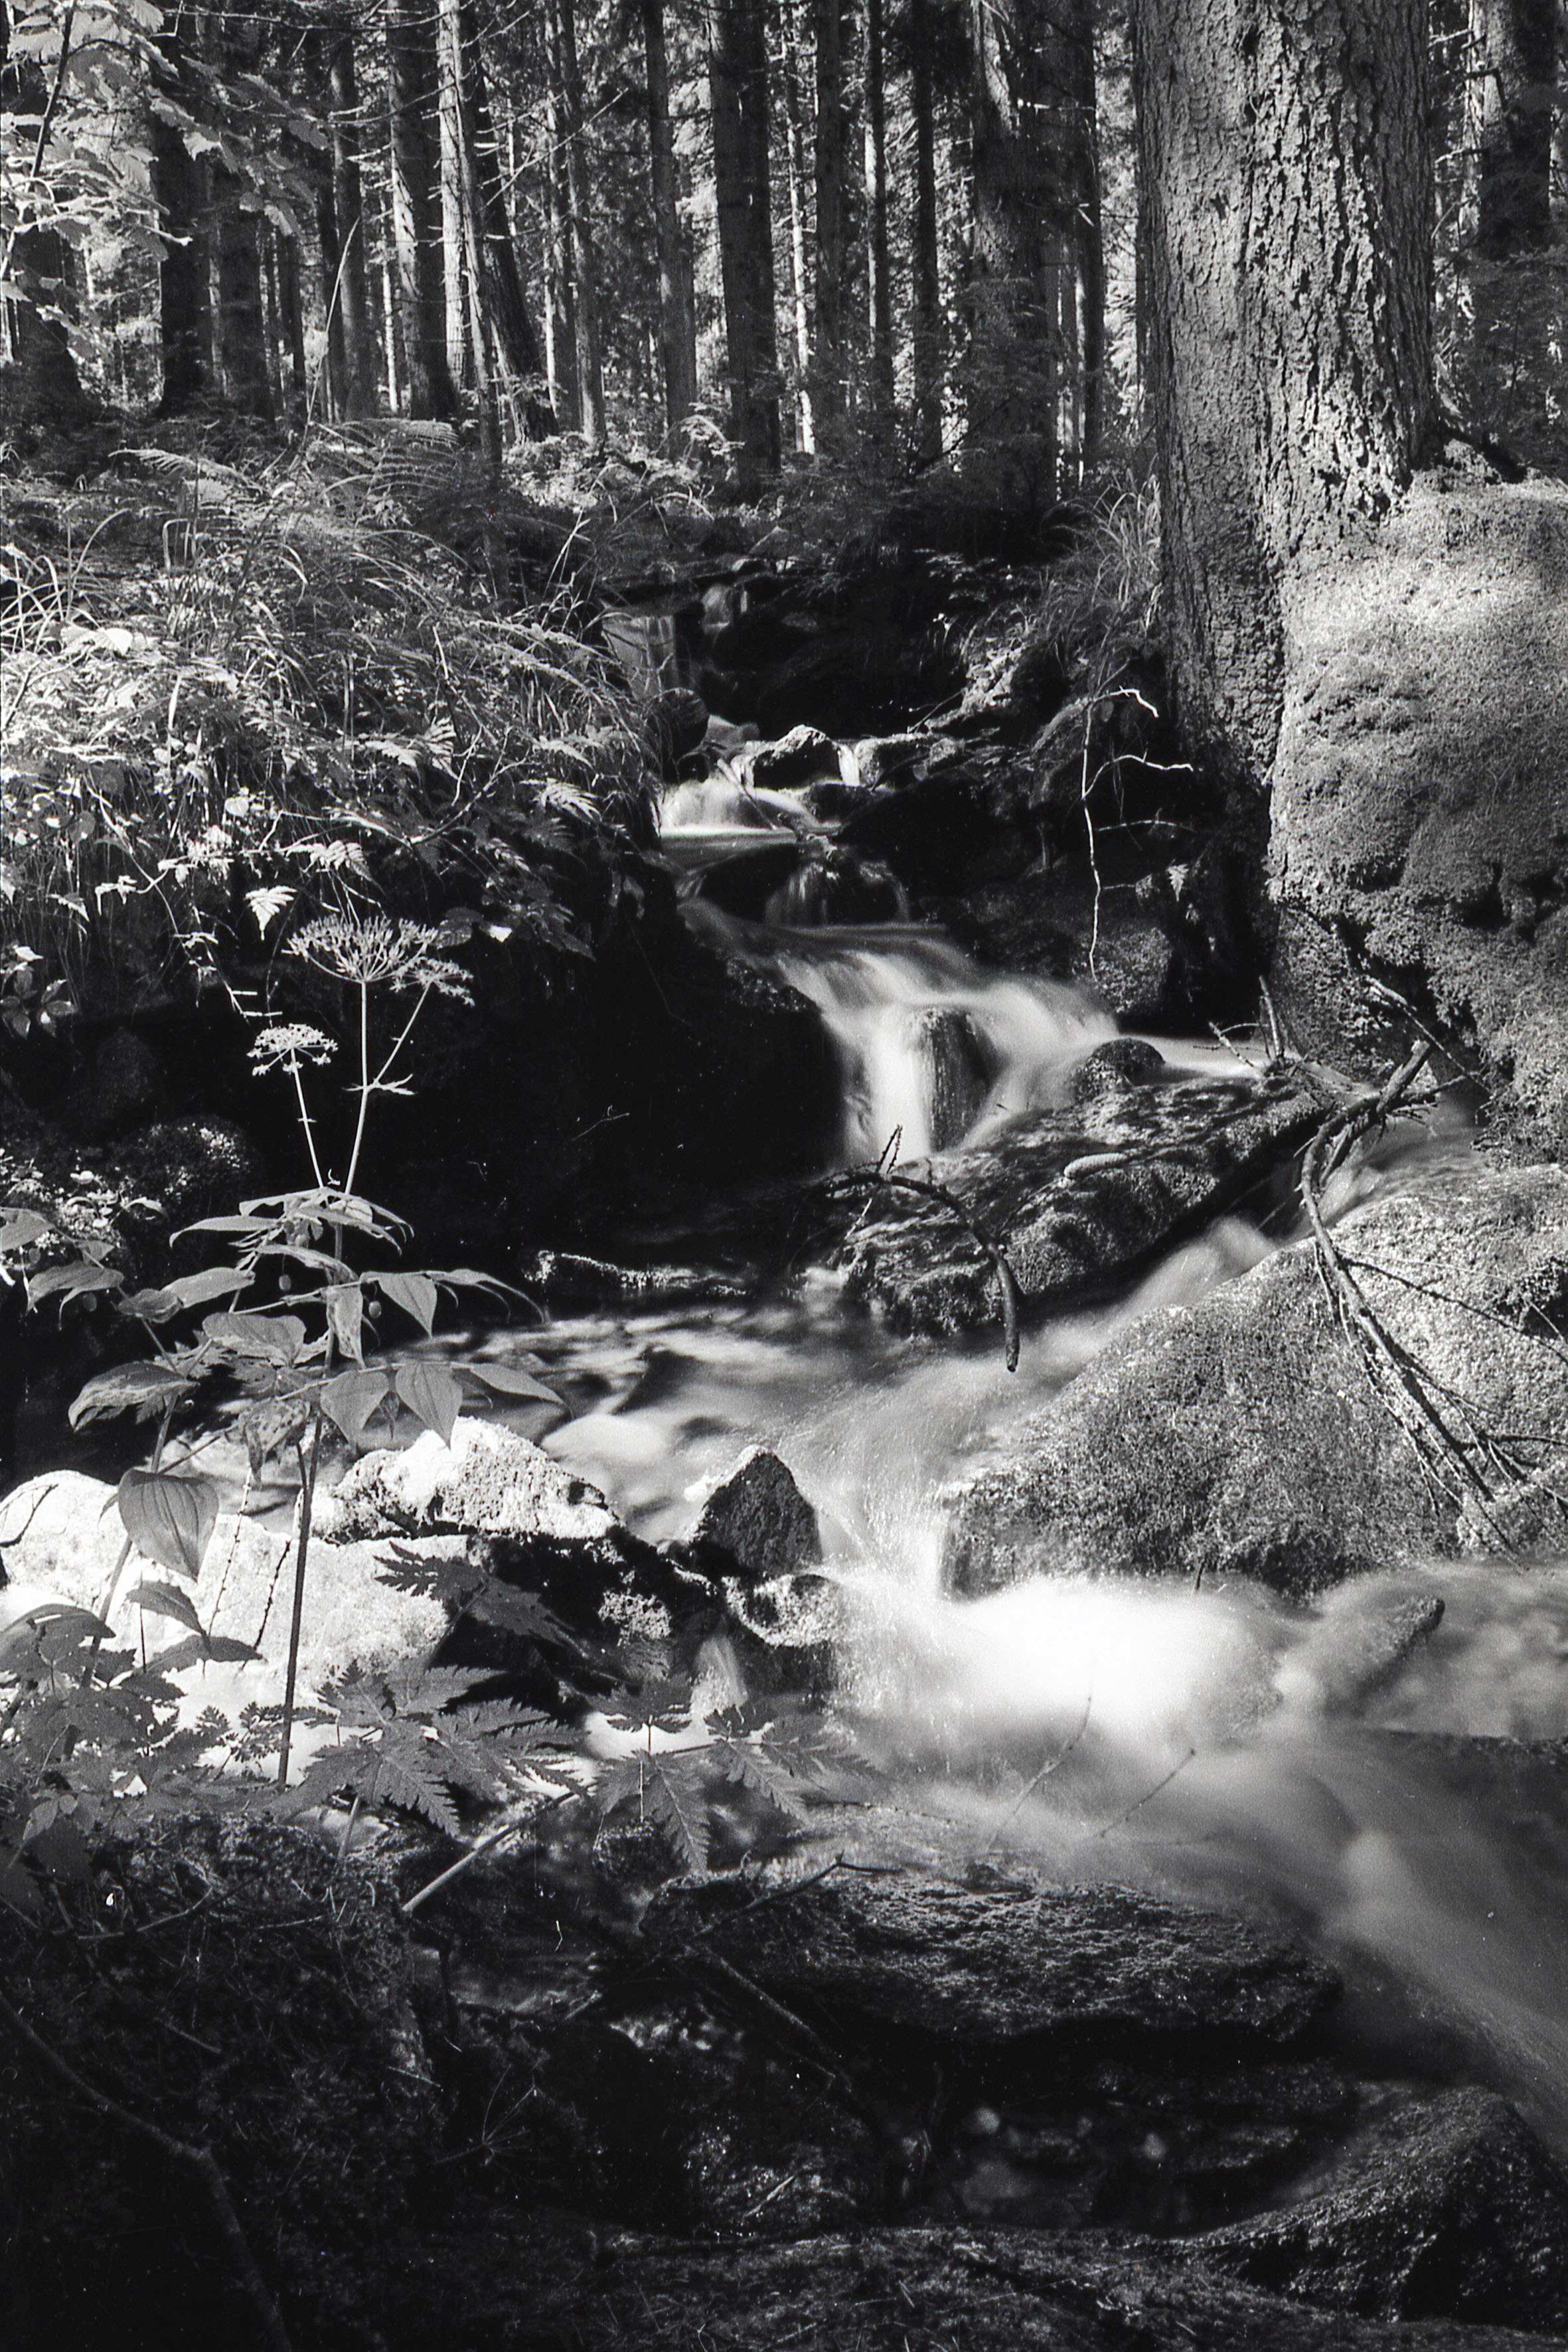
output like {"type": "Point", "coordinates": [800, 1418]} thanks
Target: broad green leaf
{"type": "Point", "coordinates": [191, 1290]}
{"type": "Point", "coordinates": [345, 1312]}
{"type": "Point", "coordinates": [432, 1396]}
{"type": "Point", "coordinates": [82, 1274]}
{"type": "Point", "coordinates": [141, 1388]}
{"type": "Point", "coordinates": [168, 1601]}
{"type": "Point", "coordinates": [511, 1380]}
{"type": "Point", "coordinates": [353, 1399]}
{"type": "Point", "coordinates": [257, 1339]}
{"type": "Point", "coordinates": [170, 1516]}
{"type": "Point", "coordinates": [414, 1293]}
{"type": "Point", "coordinates": [19, 1227]}
{"type": "Point", "coordinates": [212, 1649]}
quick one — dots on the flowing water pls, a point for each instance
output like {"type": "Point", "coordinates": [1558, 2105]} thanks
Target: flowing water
{"type": "Point", "coordinates": [1219, 1744]}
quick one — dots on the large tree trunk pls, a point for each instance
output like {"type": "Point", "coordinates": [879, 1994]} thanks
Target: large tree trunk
{"type": "Point", "coordinates": [1510, 88]}
{"type": "Point", "coordinates": [879, 319]}
{"type": "Point", "coordinates": [185, 330]}
{"type": "Point", "coordinates": [517, 338]}
{"type": "Point", "coordinates": [350, 293]}
{"type": "Point", "coordinates": [1020, 210]}
{"type": "Point", "coordinates": [560, 325]}
{"type": "Point", "coordinates": [829, 387]}
{"type": "Point", "coordinates": [42, 383]}
{"type": "Point", "coordinates": [930, 326]}
{"type": "Point", "coordinates": [242, 337]}
{"type": "Point", "coordinates": [580, 229]}
{"type": "Point", "coordinates": [677, 349]}
{"type": "Point", "coordinates": [738, 73]}
{"type": "Point", "coordinates": [456, 290]}
{"type": "Point", "coordinates": [1367, 622]}
{"type": "Point", "coordinates": [799, 279]}
{"type": "Point", "coordinates": [413, 90]}
{"type": "Point", "coordinates": [1286, 179]}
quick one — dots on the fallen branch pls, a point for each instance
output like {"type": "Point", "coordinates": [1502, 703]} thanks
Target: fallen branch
{"type": "Point", "coordinates": [871, 1179]}
{"type": "Point", "coordinates": [200, 2161]}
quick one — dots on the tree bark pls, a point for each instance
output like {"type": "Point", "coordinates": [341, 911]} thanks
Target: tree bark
{"type": "Point", "coordinates": [799, 279]}
{"type": "Point", "coordinates": [678, 349]}
{"type": "Point", "coordinates": [738, 76]}
{"type": "Point", "coordinates": [580, 230]}
{"type": "Point", "coordinates": [929, 353]}
{"type": "Point", "coordinates": [185, 330]}
{"type": "Point", "coordinates": [43, 382]}
{"type": "Point", "coordinates": [456, 292]}
{"type": "Point", "coordinates": [1510, 87]}
{"type": "Point", "coordinates": [1286, 180]}
{"type": "Point", "coordinates": [241, 321]}
{"type": "Point", "coordinates": [516, 336]}
{"type": "Point", "coordinates": [879, 320]}
{"type": "Point", "coordinates": [560, 328]}
{"type": "Point", "coordinates": [413, 89]}
{"type": "Point", "coordinates": [351, 266]}
{"type": "Point", "coordinates": [830, 378]}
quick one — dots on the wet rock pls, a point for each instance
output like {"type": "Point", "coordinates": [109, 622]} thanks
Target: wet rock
{"type": "Point", "coordinates": [1243, 1435]}
{"type": "Point", "coordinates": [1112, 1069]}
{"type": "Point", "coordinates": [124, 1086]}
{"type": "Point", "coordinates": [800, 757]}
{"type": "Point", "coordinates": [835, 886]}
{"type": "Point", "coordinates": [1075, 1207]}
{"type": "Point", "coordinates": [1007, 1968]}
{"type": "Point", "coordinates": [759, 1521]}
{"type": "Point", "coordinates": [675, 723]}
{"type": "Point", "coordinates": [941, 833]}
{"type": "Point", "coordinates": [1444, 2207]}
{"type": "Point", "coordinates": [1363, 1637]}
{"type": "Point", "coordinates": [991, 2291]}
{"type": "Point", "coordinates": [849, 681]}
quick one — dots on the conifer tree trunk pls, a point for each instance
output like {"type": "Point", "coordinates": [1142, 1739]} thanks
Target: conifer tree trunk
{"type": "Point", "coordinates": [413, 89]}
{"type": "Point", "coordinates": [1286, 178]}
{"type": "Point", "coordinates": [580, 231]}
{"type": "Point", "coordinates": [831, 373]}
{"type": "Point", "coordinates": [45, 384]}
{"type": "Point", "coordinates": [351, 266]}
{"type": "Point", "coordinates": [241, 316]}
{"type": "Point", "coordinates": [879, 264]}
{"type": "Point", "coordinates": [799, 282]}
{"type": "Point", "coordinates": [930, 326]}
{"type": "Point", "coordinates": [1019, 207]}
{"type": "Point", "coordinates": [1087, 236]}
{"type": "Point", "coordinates": [678, 349]}
{"type": "Point", "coordinates": [456, 290]}
{"type": "Point", "coordinates": [1509, 88]}
{"type": "Point", "coordinates": [512, 321]}
{"type": "Point", "coordinates": [738, 75]}
{"type": "Point", "coordinates": [561, 331]}
{"type": "Point", "coordinates": [185, 330]}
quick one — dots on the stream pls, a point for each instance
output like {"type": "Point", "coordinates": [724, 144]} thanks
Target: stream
{"type": "Point", "coordinates": [1213, 1744]}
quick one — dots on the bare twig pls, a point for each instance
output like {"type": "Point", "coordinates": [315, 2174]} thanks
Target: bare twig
{"type": "Point", "coordinates": [871, 1179]}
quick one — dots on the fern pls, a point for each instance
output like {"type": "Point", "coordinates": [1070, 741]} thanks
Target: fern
{"type": "Point", "coordinates": [402, 1747]}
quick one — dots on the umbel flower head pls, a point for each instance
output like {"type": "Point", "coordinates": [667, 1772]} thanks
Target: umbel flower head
{"type": "Point", "coordinates": [367, 949]}
{"type": "Point", "coordinates": [288, 1044]}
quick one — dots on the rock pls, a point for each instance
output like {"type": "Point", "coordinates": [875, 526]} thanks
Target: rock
{"type": "Point", "coordinates": [852, 681]}
{"type": "Point", "coordinates": [989, 2291]}
{"type": "Point", "coordinates": [489, 1481]}
{"type": "Point", "coordinates": [759, 1519]}
{"type": "Point", "coordinates": [798, 758]}
{"type": "Point", "coordinates": [832, 885]}
{"type": "Point", "coordinates": [1443, 2207]}
{"type": "Point", "coordinates": [1076, 1206]}
{"type": "Point", "coordinates": [1420, 793]}
{"type": "Point", "coordinates": [1364, 1633]}
{"type": "Point", "coordinates": [63, 1533]}
{"type": "Point", "coordinates": [941, 833]}
{"type": "Point", "coordinates": [1111, 1069]}
{"type": "Point", "coordinates": [675, 723]}
{"type": "Point", "coordinates": [1243, 1436]}
{"type": "Point", "coordinates": [1015, 1969]}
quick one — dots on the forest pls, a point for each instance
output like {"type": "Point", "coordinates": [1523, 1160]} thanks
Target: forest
{"type": "Point", "coordinates": [784, 1175]}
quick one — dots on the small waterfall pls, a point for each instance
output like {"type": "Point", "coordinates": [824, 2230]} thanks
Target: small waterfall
{"type": "Point", "coordinates": [928, 1042]}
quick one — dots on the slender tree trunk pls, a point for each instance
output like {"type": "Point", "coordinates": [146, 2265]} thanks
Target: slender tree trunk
{"type": "Point", "coordinates": [677, 350]}
{"type": "Point", "coordinates": [560, 331]}
{"type": "Point", "coordinates": [1088, 238]}
{"type": "Point", "coordinates": [831, 373]}
{"type": "Point", "coordinates": [349, 291]}
{"type": "Point", "coordinates": [799, 283]}
{"type": "Point", "coordinates": [1286, 180]}
{"type": "Point", "coordinates": [471, 249]}
{"type": "Point", "coordinates": [412, 88]}
{"type": "Point", "coordinates": [1020, 210]}
{"type": "Point", "coordinates": [454, 242]}
{"type": "Point", "coordinates": [738, 75]}
{"type": "Point", "coordinates": [579, 225]}
{"type": "Point", "coordinates": [879, 292]}
{"type": "Point", "coordinates": [928, 352]}
{"type": "Point", "coordinates": [292, 311]}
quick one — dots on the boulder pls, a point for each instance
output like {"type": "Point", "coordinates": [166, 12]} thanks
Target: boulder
{"type": "Point", "coordinates": [1002, 1968]}
{"type": "Point", "coordinates": [1445, 2206]}
{"type": "Point", "coordinates": [798, 758]}
{"type": "Point", "coordinates": [1078, 1201]}
{"type": "Point", "coordinates": [1419, 807]}
{"type": "Point", "coordinates": [759, 1521]}
{"type": "Point", "coordinates": [489, 1481]}
{"type": "Point", "coordinates": [1243, 1435]}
